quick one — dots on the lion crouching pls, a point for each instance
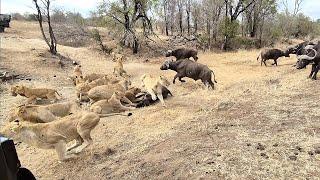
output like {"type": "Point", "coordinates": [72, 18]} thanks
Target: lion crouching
{"type": "Point", "coordinates": [43, 114]}
{"type": "Point", "coordinates": [33, 94]}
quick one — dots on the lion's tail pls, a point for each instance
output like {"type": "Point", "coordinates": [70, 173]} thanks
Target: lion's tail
{"type": "Point", "coordinates": [115, 114]}
{"type": "Point", "coordinates": [58, 93]}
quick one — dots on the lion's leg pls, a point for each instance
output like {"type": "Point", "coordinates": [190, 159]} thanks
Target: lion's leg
{"type": "Point", "coordinates": [126, 100]}
{"type": "Point", "coordinates": [52, 97]}
{"type": "Point", "coordinates": [62, 151]}
{"type": "Point", "coordinates": [79, 141]}
{"type": "Point", "coordinates": [87, 140]}
{"type": "Point", "coordinates": [153, 95]}
{"type": "Point", "coordinates": [32, 100]}
{"type": "Point", "coordinates": [124, 108]}
{"type": "Point", "coordinates": [161, 99]}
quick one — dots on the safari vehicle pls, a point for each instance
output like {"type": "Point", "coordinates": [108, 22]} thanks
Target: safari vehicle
{"type": "Point", "coordinates": [10, 167]}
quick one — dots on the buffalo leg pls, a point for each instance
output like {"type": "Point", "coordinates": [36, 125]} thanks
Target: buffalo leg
{"type": "Point", "coordinates": [312, 70]}
{"type": "Point", "coordinates": [275, 62]}
{"type": "Point", "coordinates": [314, 77]}
{"type": "Point", "coordinates": [175, 77]}
{"type": "Point", "coordinates": [181, 80]}
{"type": "Point", "coordinates": [211, 84]}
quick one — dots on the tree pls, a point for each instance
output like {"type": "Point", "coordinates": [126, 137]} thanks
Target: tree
{"type": "Point", "coordinates": [44, 10]}
{"type": "Point", "coordinates": [231, 14]}
{"type": "Point", "coordinates": [127, 14]}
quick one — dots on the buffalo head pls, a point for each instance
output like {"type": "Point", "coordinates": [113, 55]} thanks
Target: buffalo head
{"type": "Point", "coordinates": [169, 53]}
{"type": "Point", "coordinates": [305, 59]}
{"type": "Point", "coordinates": [166, 64]}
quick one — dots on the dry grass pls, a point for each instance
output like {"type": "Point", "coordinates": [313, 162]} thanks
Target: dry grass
{"type": "Point", "coordinates": [209, 134]}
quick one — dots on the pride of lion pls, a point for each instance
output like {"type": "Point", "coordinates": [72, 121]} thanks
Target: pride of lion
{"type": "Point", "coordinates": [57, 122]}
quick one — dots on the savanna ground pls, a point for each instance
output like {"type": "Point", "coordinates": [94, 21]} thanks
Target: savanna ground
{"type": "Point", "coordinates": [259, 122]}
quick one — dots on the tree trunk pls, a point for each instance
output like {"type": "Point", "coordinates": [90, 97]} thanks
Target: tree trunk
{"type": "Point", "coordinates": [165, 8]}
{"type": "Point", "coordinates": [188, 9]}
{"type": "Point", "coordinates": [180, 17]}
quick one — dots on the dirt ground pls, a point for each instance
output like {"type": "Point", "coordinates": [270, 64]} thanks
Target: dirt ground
{"type": "Point", "coordinates": [259, 122]}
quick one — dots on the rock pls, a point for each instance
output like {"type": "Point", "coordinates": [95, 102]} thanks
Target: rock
{"type": "Point", "coordinates": [225, 105]}
{"type": "Point", "coordinates": [108, 152]}
{"type": "Point", "coordinates": [311, 153]}
{"type": "Point", "coordinates": [264, 155]}
{"type": "Point", "coordinates": [261, 147]}
{"type": "Point", "coordinates": [293, 158]}
{"type": "Point", "coordinates": [96, 157]}
{"type": "Point", "coordinates": [317, 150]}
{"type": "Point", "coordinates": [299, 148]}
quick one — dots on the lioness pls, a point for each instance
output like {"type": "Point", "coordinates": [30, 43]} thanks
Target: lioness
{"type": "Point", "coordinates": [113, 105]}
{"type": "Point", "coordinates": [83, 88]}
{"type": "Point", "coordinates": [33, 94]}
{"type": "Point", "coordinates": [131, 93]}
{"type": "Point", "coordinates": [154, 85]}
{"type": "Point", "coordinates": [43, 114]}
{"type": "Point", "coordinates": [118, 69]}
{"type": "Point", "coordinates": [77, 75]}
{"type": "Point", "coordinates": [105, 92]}
{"type": "Point", "coordinates": [57, 134]}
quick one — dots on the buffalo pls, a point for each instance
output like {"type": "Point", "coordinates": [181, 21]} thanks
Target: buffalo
{"type": "Point", "coordinates": [183, 53]}
{"type": "Point", "coordinates": [298, 49]}
{"type": "Point", "coordinates": [190, 69]}
{"type": "Point", "coordinates": [4, 21]}
{"type": "Point", "coordinates": [310, 56]}
{"type": "Point", "coordinates": [274, 54]}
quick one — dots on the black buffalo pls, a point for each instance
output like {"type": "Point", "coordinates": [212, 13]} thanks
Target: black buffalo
{"type": "Point", "coordinates": [310, 56]}
{"type": "Point", "coordinates": [4, 21]}
{"type": "Point", "coordinates": [183, 53]}
{"type": "Point", "coordinates": [274, 54]}
{"type": "Point", "coordinates": [145, 99]}
{"type": "Point", "coordinates": [190, 69]}
{"type": "Point", "coordinates": [299, 48]}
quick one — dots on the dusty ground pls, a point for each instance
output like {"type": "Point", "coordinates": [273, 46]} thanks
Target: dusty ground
{"type": "Point", "coordinates": [259, 123]}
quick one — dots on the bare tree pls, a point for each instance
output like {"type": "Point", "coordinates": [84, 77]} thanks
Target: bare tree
{"type": "Point", "coordinates": [165, 11]}
{"type": "Point", "coordinates": [231, 14]}
{"type": "Point", "coordinates": [296, 9]}
{"type": "Point", "coordinates": [188, 11]}
{"type": "Point", "coordinates": [180, 16]}
{"type": "Point", "coordinates": [44, 10]}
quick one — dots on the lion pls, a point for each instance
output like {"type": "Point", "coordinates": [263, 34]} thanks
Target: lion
{"type": "Point", "coordinates": [118, 69]}
{"type": "Point", "coordinates": [77, 72]}
{"type": "Point", "coordinates": [56, 134]}
{"type": "Point", "coordinates": [93, 76]}
{"type": "Point", "coordinates": [33, 94]}
{"type": "Point", "coordinates": [105, 92]}
{"type": "Point", "coordinates": [154, 85]}
{"type": "Point", "coordinates": [113, 105]}
{"type": "Point", "coordinates": [84, 88]}
{"type": "Point", "coordinates": [77, 75]}
{"type": "Point", "coordinates": [131, 94]}
{"type": "Point", "coordinates": [43, 114]}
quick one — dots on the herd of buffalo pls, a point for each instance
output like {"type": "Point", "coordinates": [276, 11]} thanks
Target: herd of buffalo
{"type": "Point", "coordinates": [307, 53]}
